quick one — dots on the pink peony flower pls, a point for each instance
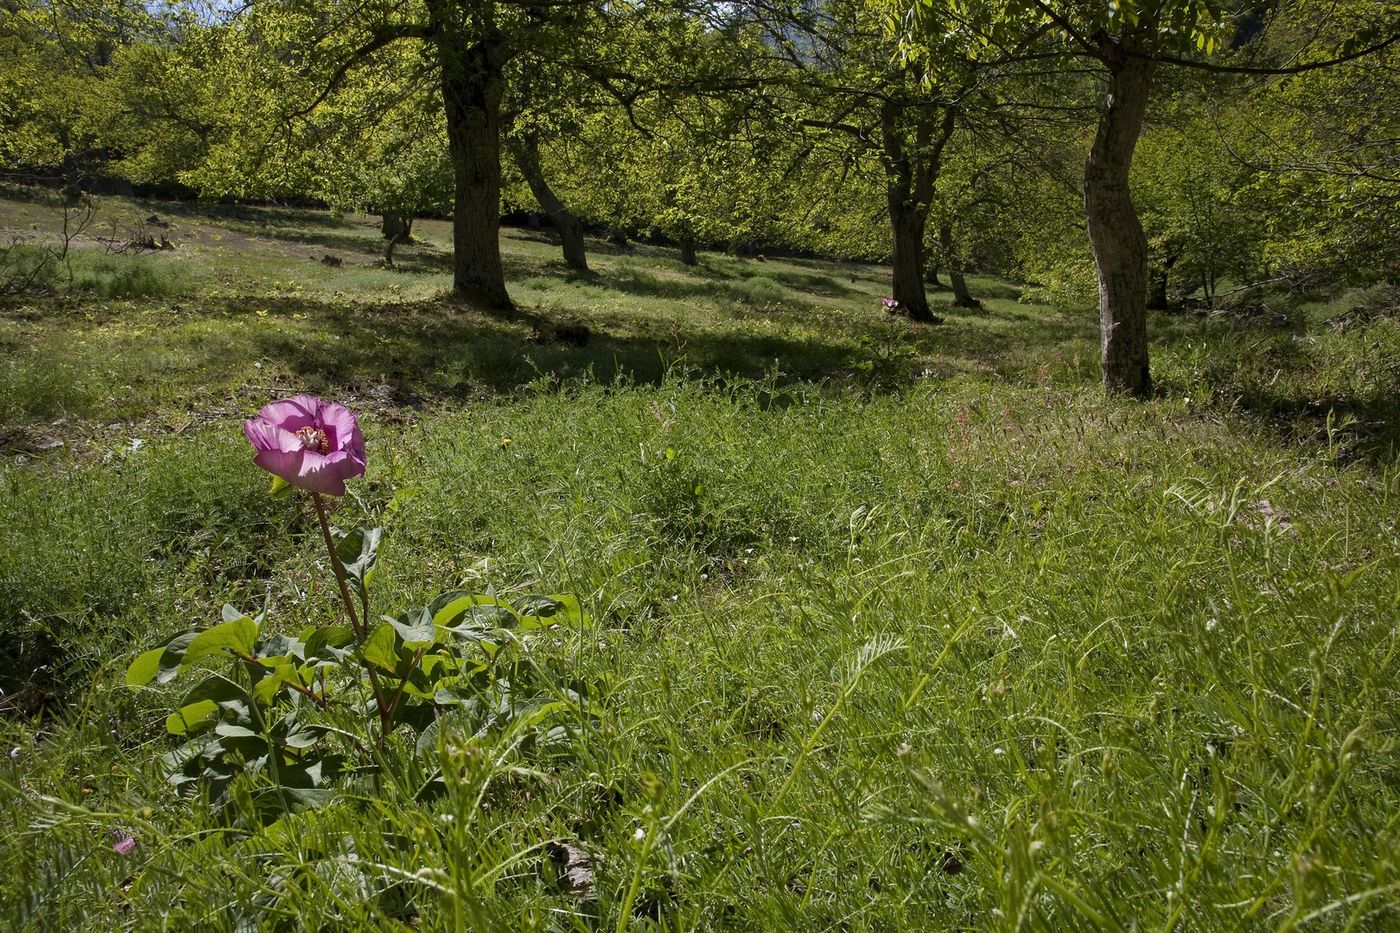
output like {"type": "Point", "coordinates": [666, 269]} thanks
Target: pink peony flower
{"type": "Point", "coordinates": [890, 304]}
{"type": "Point", "coordinates": [313, 445]}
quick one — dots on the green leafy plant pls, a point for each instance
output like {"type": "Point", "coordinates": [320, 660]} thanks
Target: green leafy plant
{"type": "Point", "coordinates": [293, 715]}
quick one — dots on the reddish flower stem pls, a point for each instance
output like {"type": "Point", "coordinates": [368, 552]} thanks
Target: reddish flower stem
{"type": "Point", "coordinates": [361, 631]}
{"type": "Point", "coordinates": [335, 565]}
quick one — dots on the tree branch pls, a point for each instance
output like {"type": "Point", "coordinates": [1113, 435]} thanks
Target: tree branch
{"type": "Point", "coordinates": [1252, 70]}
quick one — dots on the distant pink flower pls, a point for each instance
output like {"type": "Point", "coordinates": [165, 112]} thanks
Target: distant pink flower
{"type": "Point", "coordinates": [125, 846]}
{"type": "Point", "coordinates": [313, 445]}
{"type": "Point", "coordinates": [890, 304]}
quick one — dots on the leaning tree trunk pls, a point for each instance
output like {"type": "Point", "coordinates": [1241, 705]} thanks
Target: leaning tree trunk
{"type": "Point", "coordinates": [1120, 248]}
{"type": "Point", "coordinates": [472, 85]}
{"type": "Point", "coordinates": [962, 298]}
{"type": "Point", "coordinates": [931, 276]}
{"type": "Point", "coordinates": [570, 228]}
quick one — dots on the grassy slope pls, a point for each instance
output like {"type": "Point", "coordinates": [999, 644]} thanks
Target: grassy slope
{"type": "Point", "coordinates": [1141, 658]}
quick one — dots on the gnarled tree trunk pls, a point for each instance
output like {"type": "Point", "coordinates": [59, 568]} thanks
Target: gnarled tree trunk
{"type": "Point", "coordinates": [472, 85]}
{"type": "Point", "coordinates": [687, 245]}
{"type": "Point", "coordinates": [527, 156]}
{"type": "Point", "coordinates": [1120, 248]}
{"type": "Point", "coordinates": [394, 224]}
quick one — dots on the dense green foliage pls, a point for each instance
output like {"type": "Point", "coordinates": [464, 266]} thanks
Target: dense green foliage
{"type": "Point", "coordinates": [650, 122]}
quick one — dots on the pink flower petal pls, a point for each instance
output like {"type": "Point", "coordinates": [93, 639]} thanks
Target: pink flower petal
{"type": "Point", "coordinates": [125, 846]}
{"type": "Point", "coordinates": [266, 436]}
{"type": "Point", "coordinates": [291, 414]}
{"type": "Point", "coordinates": [286, 464]}
{"type": "Point", "coordinates": [320, 473]}
{"type": "Point", "coordinates": [342, 427]}
{"type": "Point", "coordinates": [347, 464]}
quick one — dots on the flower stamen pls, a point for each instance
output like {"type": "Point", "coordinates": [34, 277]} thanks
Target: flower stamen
{"type": "Point", "coordinates": [313, 438]}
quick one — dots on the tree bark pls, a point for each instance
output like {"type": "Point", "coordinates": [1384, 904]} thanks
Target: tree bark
{"type": "Point", "coordinates": [932, 276]}
{"type": "Point", "coordinates": [527, 156]}
{"type": "Point", "coordinates": [1157, 300]}
{"type": "Point", "coordinates": [688, 250]}
{"type": "Point", "coordinates": [472, 84]}
{"type": "Point", "coordinates": [1115, 233]}
{"type": "Point", "coordinates": [962, 298]}
{"type": "Point", "coordinates": [907, 225]}
{"type": "Point", "coordinates": [395, 224]}
{"type": "Point", "coordinates": [909, 180]}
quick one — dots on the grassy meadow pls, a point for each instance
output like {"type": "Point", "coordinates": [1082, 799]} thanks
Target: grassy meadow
{"type": "Point", "coordinates": [894, 627]}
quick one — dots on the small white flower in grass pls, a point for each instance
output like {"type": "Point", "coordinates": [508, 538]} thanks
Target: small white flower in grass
{"type": "Point", "coordinates": [640, 834]}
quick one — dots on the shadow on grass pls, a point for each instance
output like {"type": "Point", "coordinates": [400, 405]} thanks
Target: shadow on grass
{"type": "Point", "coordinates": [343, 242]}
{"type": "Point", "coordinates": [269, 221]}
{"type": "Point", "coordinates": [444, 350]}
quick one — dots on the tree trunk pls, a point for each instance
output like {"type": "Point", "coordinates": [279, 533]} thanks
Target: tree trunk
{"type": "Point", "coordinates": [1157, 299]}
{"type": "Point", "coordinates": [472, 84]}
{"type": "Point", "coordinates": [1120, 248]}
{"type": "Point", "coordinates": [395, 240]}
{"type": "Point", "coordinates": [910, 174]}
{"type": "Point", "coordinates": [962, 298]}
{"type": "Point", "coordinates": [907, 225]}
{"type": "Point", "coordinates": [688, 250]}
{"type": "Point", "coordinates": [931, 277]}
{"type": "Point", "coordinates": [395, 224]}
{"type": "Point", "coordinates": [527, 156]}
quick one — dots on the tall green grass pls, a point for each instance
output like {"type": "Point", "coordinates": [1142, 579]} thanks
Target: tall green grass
{"type": "Point", "coordinates": [963, 657]}
{"type": "Point", "coordinates": [900, 628]}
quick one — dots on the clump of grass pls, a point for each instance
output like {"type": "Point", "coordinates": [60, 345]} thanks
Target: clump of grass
{"type": "Point", "coordinates": [127, 276]}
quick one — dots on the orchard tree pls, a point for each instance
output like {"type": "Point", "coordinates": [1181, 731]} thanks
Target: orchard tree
{"type": "Point", "coordinates": [838, 75]}
{"type": "Point", "coordinates": [461, 47]}
{"type": "Point", "coordinates": [56, 61]}
{"type": "Point", "coordinates": [1127, 41]}
{"type": "Point", "coordinates": [547, 103]}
